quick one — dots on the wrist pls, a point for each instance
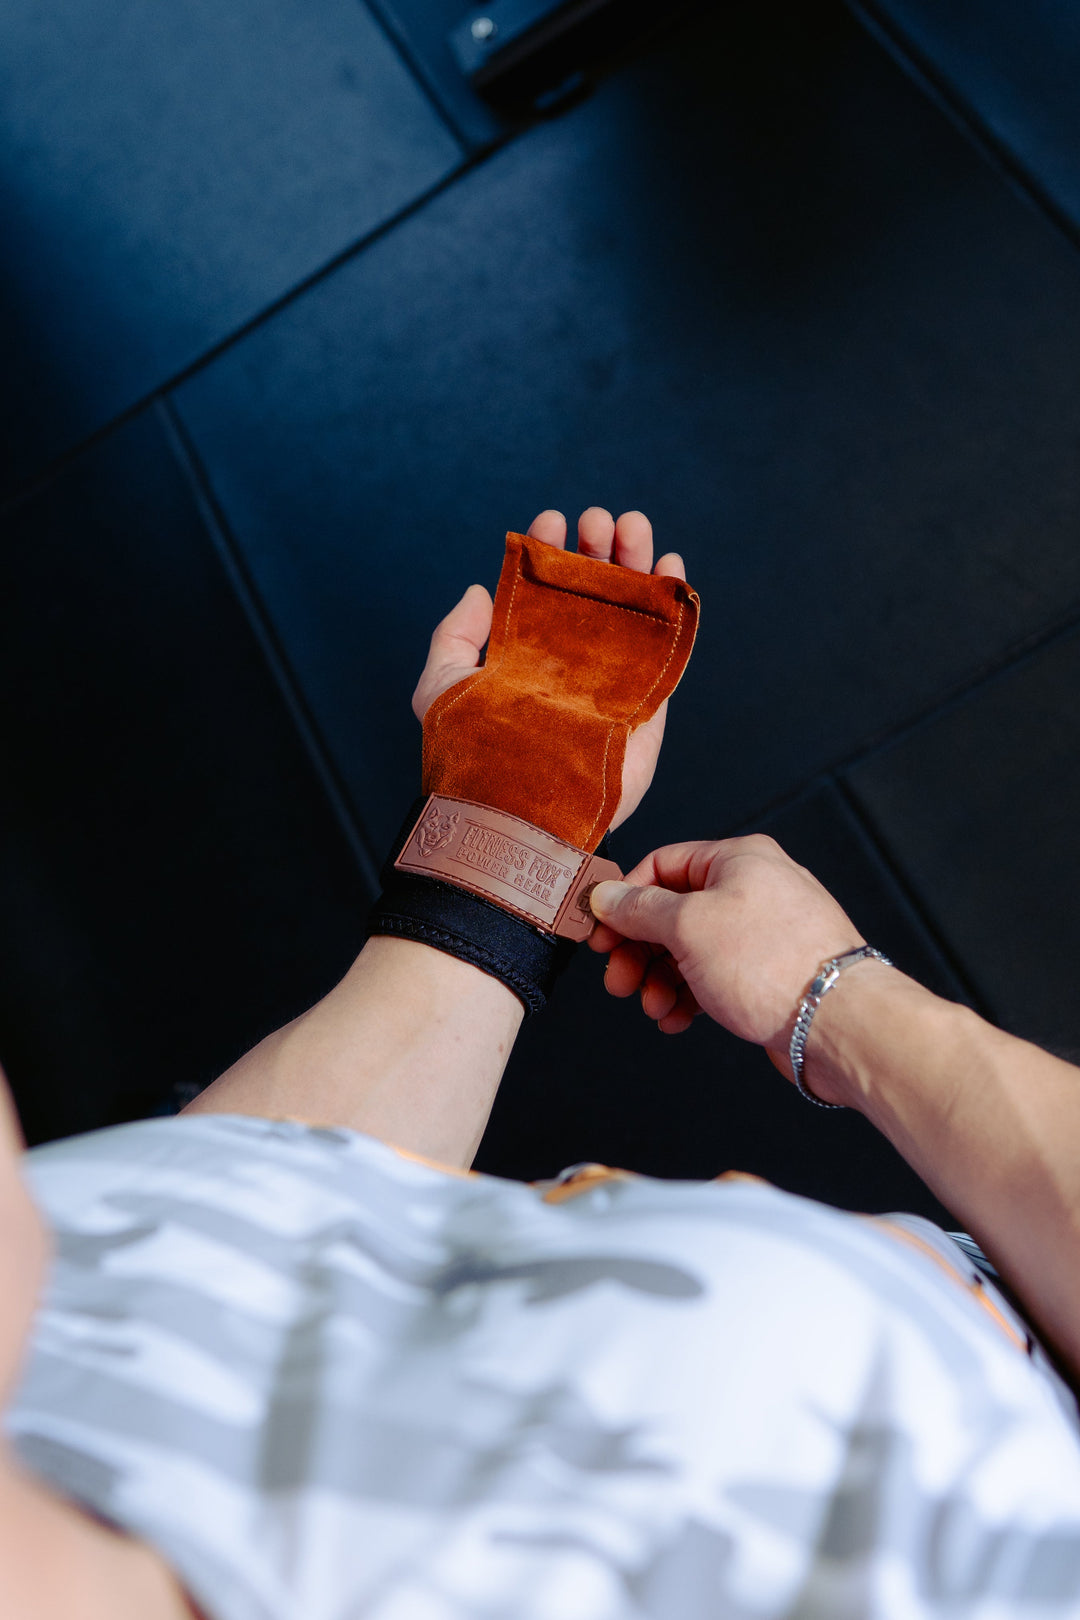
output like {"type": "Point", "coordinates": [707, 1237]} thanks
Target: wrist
{"type": "Point", "coordinates": [862, 1032]}
{"type": "Point", "coordinates": [489, 888]}
{"type": "Point", "coordinates": [428, 979]}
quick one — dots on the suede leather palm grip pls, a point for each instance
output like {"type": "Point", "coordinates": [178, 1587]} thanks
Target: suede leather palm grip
{"type": "Point", "coordinates": [507, 861]}
{"type": "Point", "coordinates": [581, 653]}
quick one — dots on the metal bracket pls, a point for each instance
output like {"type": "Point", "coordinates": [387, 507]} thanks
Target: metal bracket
{"type": "Point", "coordinates": [518, 51]}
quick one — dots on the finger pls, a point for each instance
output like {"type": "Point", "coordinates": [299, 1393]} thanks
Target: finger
{"type": "Point", "coordinates": [642, 913]}
{"type": "Point", "coordinates": [682, 1015]}
{"type": "Point", "coordinates": [671, 566]}
{"type": "Point", "coordinates": [679, 867]}
{"type": "Point", "coordinates": [456, 644]}
{"type": "Point", "coordinates": [634, 542]}
{"type": "Point", "coordinates": [660, 991]}
{"type": "Point", "coordinates": [596, 533]}
{"type": "Point", "coordinates": [460, 637]}
{"type": "Point", "coordinates": [626, 969]}
{"type": "Point", "coordinates": [685, 867]}
{"type": "Point", "coordinates": [603, 939]}
{"type": "Point", "coordinates": [550, 527]}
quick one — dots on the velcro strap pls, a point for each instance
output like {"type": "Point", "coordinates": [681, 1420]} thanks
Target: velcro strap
{"type": "Point", "coordinates": [506, 861]}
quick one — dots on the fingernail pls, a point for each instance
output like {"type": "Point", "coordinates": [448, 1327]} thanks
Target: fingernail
{"type": "Point", "coordinates": [606, 896]}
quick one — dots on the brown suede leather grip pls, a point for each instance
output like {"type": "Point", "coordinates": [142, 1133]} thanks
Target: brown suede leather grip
{"type": "Point", "coordinates": [581, 654]}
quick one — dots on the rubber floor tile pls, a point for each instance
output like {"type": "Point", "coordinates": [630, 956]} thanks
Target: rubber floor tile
{"type": "Point", "coordinates": [167, 171]}
{"type": "Point", "coordinates": [823, 832]}
{"type": "Point", "coordinates": [173, 884]}
{"type": "Point", "coordinates": [1010, 71]}
{"type": "Point", "coordinates": [758, 287]}
{"type": "Point", "coordinates": [980, 808]}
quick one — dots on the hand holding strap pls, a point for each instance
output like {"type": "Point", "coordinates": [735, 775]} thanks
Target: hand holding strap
{"type": "Point", "coordinates": [581, 653]}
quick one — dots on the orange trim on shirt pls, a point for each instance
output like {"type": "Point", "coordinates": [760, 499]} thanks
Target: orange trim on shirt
{"type": "Point", "coordinates": [584, 1180]}
{"type": "Point", "coordinates": [432, 1164]}
{"type": "Point", "coordinates": [973, 1286]}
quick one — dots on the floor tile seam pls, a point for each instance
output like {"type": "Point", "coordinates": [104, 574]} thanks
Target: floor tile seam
{"type": "Point", "coordinates": [892, 867]}
{"type": "Point", "coordinates": [244, 589]}
{"type": "Point", "coordinates": [839, 778]}
{"type": "Point", "coordinates": [964, 117]}
{"type": "Point", "coordinates": [52, 469]}
{"type": "Point", "coordinates": [1016, 656]}
{"type": "Point", "coordinates": [472, 157]}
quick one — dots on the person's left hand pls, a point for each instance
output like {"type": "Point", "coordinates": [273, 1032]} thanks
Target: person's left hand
{"type": "Point", "coordinates": [460, 638]}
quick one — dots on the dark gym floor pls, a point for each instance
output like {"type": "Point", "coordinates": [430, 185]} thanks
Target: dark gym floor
{"type": "Point", "coordinates": [294, 331]}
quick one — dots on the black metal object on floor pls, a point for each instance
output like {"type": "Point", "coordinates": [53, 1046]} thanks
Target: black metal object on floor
{"type": "Point", "coordinates": [529, 53]}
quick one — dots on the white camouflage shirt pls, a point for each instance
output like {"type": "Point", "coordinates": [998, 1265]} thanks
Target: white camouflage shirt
{"type": "Point", "coordinates": [329, 1382]}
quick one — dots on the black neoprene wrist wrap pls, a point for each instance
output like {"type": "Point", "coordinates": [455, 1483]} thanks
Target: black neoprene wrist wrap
{"type": "Point", "coordinates": [527, 960]}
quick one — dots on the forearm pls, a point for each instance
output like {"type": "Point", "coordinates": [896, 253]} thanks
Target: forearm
{"type": "Point", "coordinates": [409, 1047]}
{"type": "Point", "coordinates": [991, 1123]}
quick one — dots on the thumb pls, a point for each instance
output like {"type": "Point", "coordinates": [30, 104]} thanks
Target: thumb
{"type": "Point", "coordinates": [646, 913]}
{"type": "Point", "coordinates": [465, 629]}
{"type": "Point", "coordinates": [455, 647]}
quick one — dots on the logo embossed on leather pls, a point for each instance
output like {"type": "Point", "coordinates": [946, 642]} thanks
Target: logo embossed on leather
{"type": "Point", "coordinates": [436, 831]}
{"type": "Point", "coordinates": [508, 861]}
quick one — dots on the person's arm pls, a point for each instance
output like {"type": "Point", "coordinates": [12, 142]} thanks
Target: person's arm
{"type": "Point", "coordinates": [991, 1123]}
{"type": "Point", "coordinates": [411, 1045]}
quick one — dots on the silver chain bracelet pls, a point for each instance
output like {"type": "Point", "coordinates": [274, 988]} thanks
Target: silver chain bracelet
{"type": "Point", "coordinates": [827, 975]}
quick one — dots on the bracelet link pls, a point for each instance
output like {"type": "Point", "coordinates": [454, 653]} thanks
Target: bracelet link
{"type": "Point", "coordinates": [826, 977]}
{"type": "Point", "coordinates": [824, 981]}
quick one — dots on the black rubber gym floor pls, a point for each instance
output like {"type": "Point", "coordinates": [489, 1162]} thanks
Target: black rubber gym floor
{"type": "Point", "coordinates": [293, 337]}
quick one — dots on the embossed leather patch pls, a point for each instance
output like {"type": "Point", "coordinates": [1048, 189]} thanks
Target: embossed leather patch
{"type": "Point", "coordinates": [508, 861]}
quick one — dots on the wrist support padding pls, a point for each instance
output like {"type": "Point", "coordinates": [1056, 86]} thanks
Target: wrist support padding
{"type": "Point", "coordinates": [581, 653]}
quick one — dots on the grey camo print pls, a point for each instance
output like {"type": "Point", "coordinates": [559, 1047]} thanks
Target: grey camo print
{"type": "Point", "coordinates": [332, 1383]}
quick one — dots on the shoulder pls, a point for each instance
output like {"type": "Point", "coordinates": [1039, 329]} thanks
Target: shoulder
{"type": "Point", "coordinates": [59, 1563]}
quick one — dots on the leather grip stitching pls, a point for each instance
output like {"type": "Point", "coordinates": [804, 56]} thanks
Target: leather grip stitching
{"type": "Point", "coordinates": [629, 728]}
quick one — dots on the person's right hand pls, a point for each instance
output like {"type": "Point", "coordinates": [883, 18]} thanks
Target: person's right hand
{"type": "Point", "coordinates": [733, 928]}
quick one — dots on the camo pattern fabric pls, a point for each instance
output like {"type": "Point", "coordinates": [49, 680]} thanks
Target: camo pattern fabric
{"type": "Point", "coordinates": [329, 1382]}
